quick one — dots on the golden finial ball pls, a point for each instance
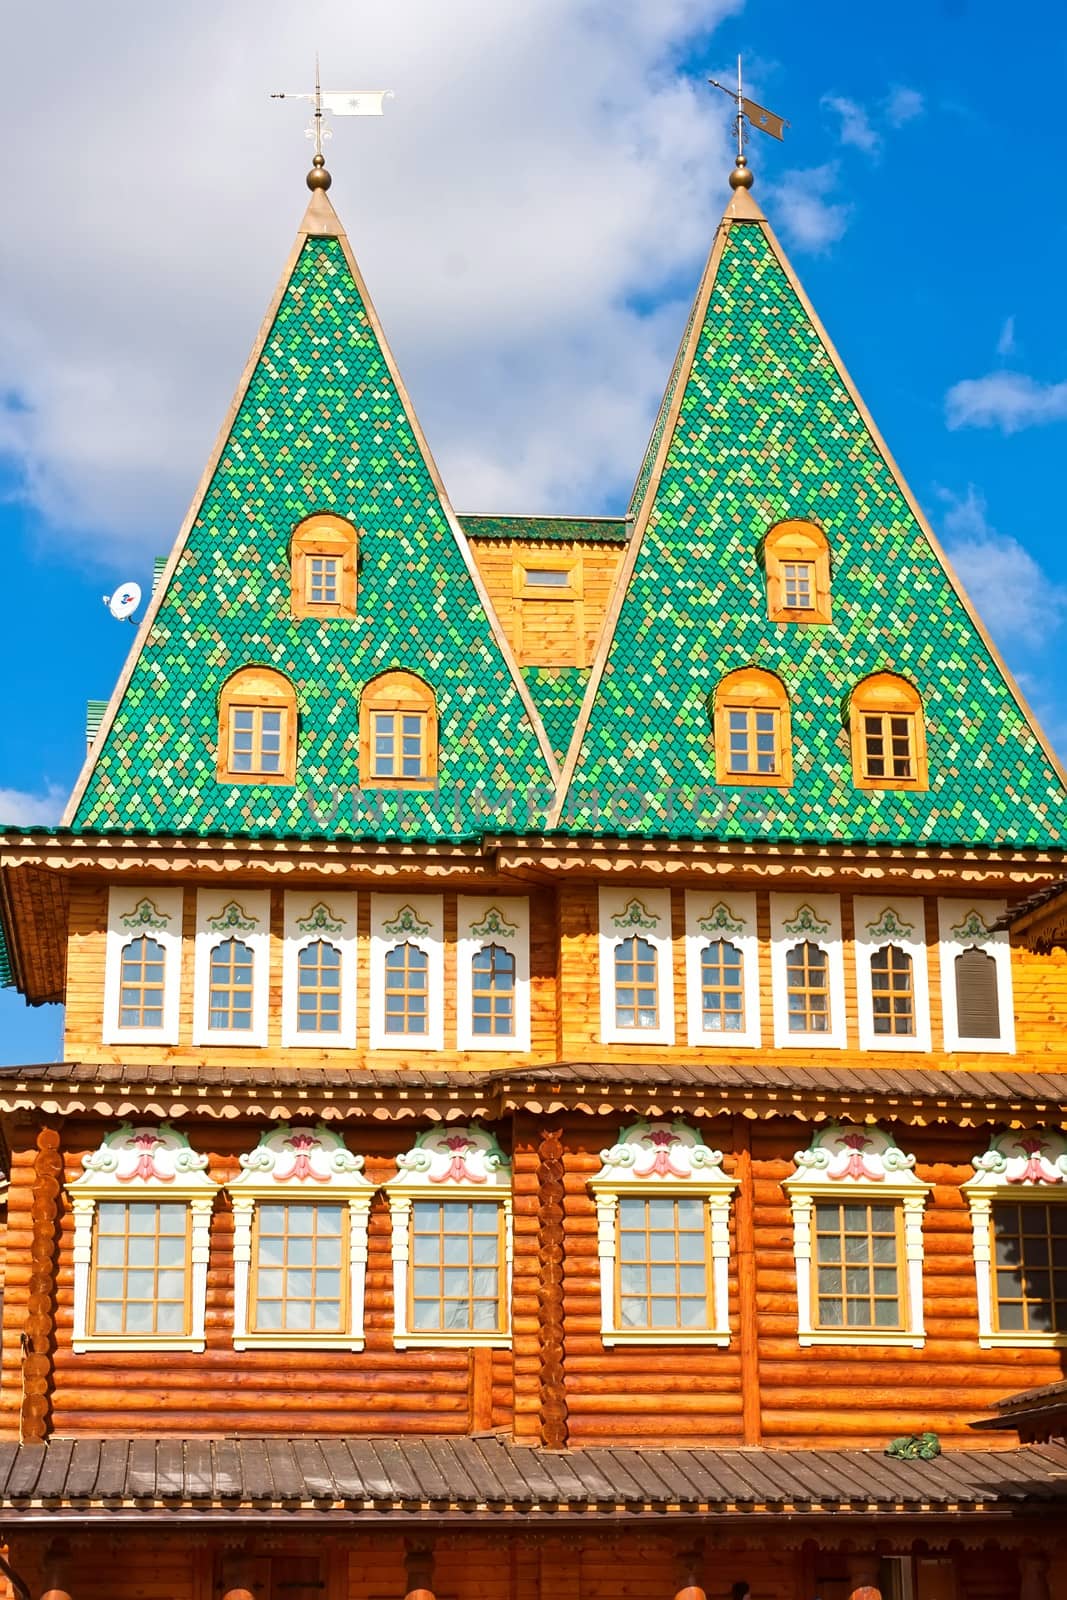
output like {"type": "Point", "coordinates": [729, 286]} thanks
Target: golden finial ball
{"type": "Point", "coordinates": [740, 177]}
{"type": "Point", "coordinates": [319, 178]}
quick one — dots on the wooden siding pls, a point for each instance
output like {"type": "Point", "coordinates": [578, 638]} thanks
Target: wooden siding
{"type": "Point", "coordinates": [827, 1396]}
{"type": "Point", "coordinates": [547, 631]}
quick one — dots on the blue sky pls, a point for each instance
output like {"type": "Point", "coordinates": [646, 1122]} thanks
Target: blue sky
{"type": "Point", "coordinates": [531, 214]}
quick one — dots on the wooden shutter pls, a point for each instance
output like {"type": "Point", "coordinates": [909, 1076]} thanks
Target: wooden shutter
{"type": "Point", "coordinates": [977, 1000]}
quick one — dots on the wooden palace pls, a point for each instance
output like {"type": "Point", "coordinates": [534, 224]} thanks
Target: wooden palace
{"type": "Point", "coordinates": [559, 1098]}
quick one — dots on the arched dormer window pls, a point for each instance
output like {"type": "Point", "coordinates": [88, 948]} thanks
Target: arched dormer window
{"type": "Point", "coordinates": [397, 733]}
{"type": "Point", "coordinates": [796, 559]}
{"type": "Point", "coordinates": [888, 737]}
{"type": "Point", "coordinates": [257, 728]}
{"type": "Point", "coordinates": [752, 731]}
{"type": "Point", "coordinates": [323, 562]}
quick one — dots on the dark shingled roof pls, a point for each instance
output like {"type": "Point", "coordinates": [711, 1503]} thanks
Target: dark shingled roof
{"type": "Point", "coordinates": [439, 1477]}
{"type": "Point", "coordinates": [542, 530]}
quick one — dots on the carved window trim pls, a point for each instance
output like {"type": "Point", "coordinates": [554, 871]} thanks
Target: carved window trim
{"type": "Point", "coordinates": [222, 914]}
{"type": "Point", "coordinates": [664, 1160]}
{"type": "Point", "coordinates": [310, 915]}
{"type": "Point", "coordinates": [755, 692]}
{"type": "Point", "coordinates": [257, 688]}
{"type": "Point", "coordinates": [846, 1161]}
{"type": "Point", "coordinates": [887, 695]}
{"type": "Point", "coordinates": [964, 924]}
{"type": "Point", "coordinates": [791, 542]}
{"type": "Point", "coordinates": [416, 919]}
{"type": "Point", "coordinates": [131, 913]}
{"type": "Point", "coordinates": [646, 913]}
{"type": "Point", "coordinates": [882, 920]}
{"type": "Point", "coordinates": [1020, 1164]}
{"type": "Point", "coordinates": [570, 565]}
{"type": "Point", "coordinates": [399, 694]}
{"type": "Point", "coordinates": [154, 1163]}
{"type": "Point", "coordinates": [445, 1163]}
{"type": "Point", "coordinates": [731, 916]}
{"type": "Point", "coordinates": [324, 535]}
{"type": "Point", "coordinates": [483, 921]}
{"type": "Point", "coordinates": [300, 1166]}
{"type": "Point", "coordinates": [797, 918]}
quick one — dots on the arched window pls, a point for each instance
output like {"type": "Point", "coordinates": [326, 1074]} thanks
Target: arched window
{"type": "Point", "coordinates": [977, 997]}
{"type": "Point", "coordinates": [636, 989]}
{"type": "Point", "coordinates": [397, 733]}
{"type": "Point", "coordinates": [141, 984]}
{"type": "Point", "coordinates": [257, 728]}
{"type": "Point", "coordinates": [888, 738]}
{"type": "Point", "coordinates": [722, 988]}
{"type": "Point", "coordinates": [892, 991]}
{"type": "Point", "coordinates": [808, 988]}
{"type": "Point", "coordinates": [493, 992]}
{"type": "Point", "coordinates": [796, 559]}
{"type": "Point", "coordinates": [318, 988]}
{"type": "Point", "coordinates": [407, 994]}
{"type": "Point", "coordinates": [752, 732]}
{"type": "Point", "coordinates": [323, 561]}
{"type": "Point", "coordinates": [230, 996]}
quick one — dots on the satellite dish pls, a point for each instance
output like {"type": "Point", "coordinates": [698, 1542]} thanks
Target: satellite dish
{"type": "Point", "coordinates": [124, 602]}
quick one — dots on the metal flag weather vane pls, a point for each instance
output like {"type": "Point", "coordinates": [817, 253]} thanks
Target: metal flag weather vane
{"type": "Point", "coordinates": [748, 111]}
{"type": "Point", "coordinates": [335, 102]}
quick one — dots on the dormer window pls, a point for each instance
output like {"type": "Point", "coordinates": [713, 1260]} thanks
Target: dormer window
{"type": "Point", "coordinates": [257, 728]}
{"type": "Point", "coordinates": [323, 557]}
{"type": "Point", "coordinates": [796, 559]}
{"type": "Point", "coordinates": [752, 731]}
{"type": "Point", "coordinates": [888, 739]}
{"type": "Point", "coordinates": [397, 733]}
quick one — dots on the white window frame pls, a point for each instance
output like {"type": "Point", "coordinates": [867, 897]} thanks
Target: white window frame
{"type": "Point", "coordinates": [814, 918]}
{"type": "Point", "coordinates": [481, 922]}
{"type": "Point", "coordinates": [157, 1164]}
{"type": "Point", "coordinates": [417, 919]}
{"type": "Point", "coordinates": [646, 913]}
{"type": "Point", "coordinates": [666, 1160]}
{"type": "Point", "coordinates": [708, 918]}
{"type": "Point", "coordinates": [963, 924]}
{"type": "Point", "coordinates": [846, 1161]}
{"type": "Point", "coordinates": [222, 914]}
{"type": "Point", "coordinates": [157, 914]}
{"type": "Point", "coordinates": [448, 1163]}
{"type": "Point", "coordinates": [300, 1166]}
{"type": "Point", "coordinates": [881, 920]}
{"type": "Point", "coordinates": [310, 916]}
{"type": "Point", "coordinates": [1011, 1171]}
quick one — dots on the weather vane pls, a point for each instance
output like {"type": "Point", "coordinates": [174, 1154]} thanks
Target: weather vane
{"type": "Point", "coordinates": [756, 116]}
{"type": "Point", "coordinates": [338, 103]}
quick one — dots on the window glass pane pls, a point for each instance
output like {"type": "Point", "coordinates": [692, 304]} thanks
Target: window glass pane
{"type": "Point", "coordinates": [230, 986]}
{"type": "Point", "coordinates": [862, 1295]}
{"type": "Point", "coordinates": [298, 1265]}
{"type": "Point", "coordinates": [636, 998]}
{"type": "Point", "coordinates": [1030, 1278]}
{"type": "Point", "coordinates": [141, 984]}
{"type": "Point", "coordinates": [808, 988]}
{"type": "Point", "coordinates": [547, 577]}
{"type": "Point", "coordinates": [457, 1282]}
{"type": "Point", "coordinates": [663, 1272]}
{"type": "Point", "coordinates": [752, 740]}
{"type": "Point", "coordinates": [493, 992]}
{"type": "Point", "coordinates": [722, 1003]}
{"type": "Point", "coordinates": [318, 1001]}
{"type": "Point", "coordinates": [257, 738]}
{"type": "Point", "coordinates": [140, 1268]}
{"type": "Point", "coordinates": [406, 979]}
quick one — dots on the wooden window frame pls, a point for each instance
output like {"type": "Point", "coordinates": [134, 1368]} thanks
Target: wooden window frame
{"type": "Point", "coordinates": [401, 694]}
{"type": "Point", "coordinates": [158, 913]}
{"type": "Point", "coordinates": [571, 564]}
{"type": "Point", "coordinates": [665, 1160]}
{"type": "Point", "coordinates": [629, 954]}
{"type": "Point", "coordinates": [881, 920]}
{"type": "Point", "coordinates": [416, 919]}
{"type": "Point", "coordinates": [866, 1202]}
{"type": "Point", "coordinates": [257, 688]}
{"type": "Point", "coordinates": [311, 915]}
{"type": "Point", "coordinates": [792, 542]}
{"type": "Point", "coordinates": [243, 914]}
{"type": "Point", "coordinates": [862, 1165]}
{"type": "Point", "coordinates": [300, 1166]}
{"type": "Point", "coordinates": [324, 535]}
{"type": "Point", "coordinates": [623, 912]}
{"type": "Point", "coordinates": [483, 920]}
{"type": "Point", "coordinates": [732, 916]}
{"type": "Point", "coordinates": [800, 918]}
{"type": "Point", "coordinates": [962, 924]}
{"type": "Point", "coordinates": [1021, 1165]}
{"type": "Point", "coordinates": [159, 1202]}
{"type": "Point", "coordinates": [469, 1200]}
{"type": "Point", "coordinates": [887, 695]}
{"type": "Point", "coordinates": [753, 690]}
{"type": "Point", "coordinates": [1048, 1203]}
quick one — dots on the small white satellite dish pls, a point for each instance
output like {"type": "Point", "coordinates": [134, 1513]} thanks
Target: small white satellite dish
{"type": "Point", "coordinates": [124, 602]}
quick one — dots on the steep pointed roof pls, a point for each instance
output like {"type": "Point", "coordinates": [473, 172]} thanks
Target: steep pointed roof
{"type": "Point", "coordinates": [761, 423]}
{"type": "Point", "coordinates": [320, 422]}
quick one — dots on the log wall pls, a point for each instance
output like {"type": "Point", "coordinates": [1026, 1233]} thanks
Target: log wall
{"type": "Point", "coordinates": [545, 631]}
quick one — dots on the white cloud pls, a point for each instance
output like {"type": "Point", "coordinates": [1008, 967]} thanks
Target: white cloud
{"type": "Point", "coordinates": [1006, 338]}
{"type": "Point", "coordinates": [856, 126]}
{"type": "Point", "coordinates": [903, 105]}
{"type": "Point", "coordinates": [1009, 401]}
{"type": "Point", "coordinates": [1012, 594]}
{"type": "Point", "coordinates": [540, 179]}
{"type": "Point", "coordinates": [804, 208]}
{"type": "Point", "coordinates": [19, 809]}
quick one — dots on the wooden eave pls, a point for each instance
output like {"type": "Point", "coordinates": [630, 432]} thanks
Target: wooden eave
{"type": "Point", "coordinates": [1040, 922]}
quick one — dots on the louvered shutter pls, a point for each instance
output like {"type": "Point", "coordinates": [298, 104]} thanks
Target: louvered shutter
{"type": "Point", "coordinates": [977, 1000]}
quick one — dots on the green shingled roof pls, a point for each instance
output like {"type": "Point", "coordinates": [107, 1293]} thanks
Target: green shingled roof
{"type": "Point", "coordinates": [545, 530]}
{"type": "Point", "coordinates": [557, 693]}
{"type": "Point", "coordinates": [6, 977]}
{"type": "Point", "coordinates": [768, 429]}
{"type": "Point", "coordinates": [322, 426]}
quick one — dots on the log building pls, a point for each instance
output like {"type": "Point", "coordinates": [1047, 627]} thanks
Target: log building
{"type": "Point", "coordinates": [553, 1105]}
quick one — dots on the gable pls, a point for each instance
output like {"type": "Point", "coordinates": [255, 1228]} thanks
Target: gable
{"type": "Point", "coordinates": [322, 426]}
{"type": "Point", "coordinates": [768, 428]}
